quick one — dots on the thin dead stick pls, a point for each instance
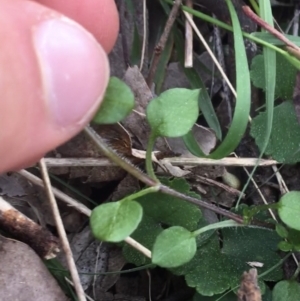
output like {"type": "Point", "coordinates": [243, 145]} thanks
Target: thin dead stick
{"type": "Point", "coordinates": [80, 207]}
{"type": "Point", "coordinates": [62, 234]}
{"type": "Point", "coordinates": [138, 247]}
{"type": "Point", "coordinates": [162, 42]}
{"type": "Point", "coordinates": [69, 162]}
{"type": "Point", "coordinates": [212, 182]}
{"type": "Point", "coordinates": [247, 10]}
{"type": "Point", "coordinates": [20, 227]}
{"type": "Point", "coordinates": [188, 53]}
{"type": "Point", "coordinates": [221, 162]}
{"type": "Point", "coordinates": [282, 185]}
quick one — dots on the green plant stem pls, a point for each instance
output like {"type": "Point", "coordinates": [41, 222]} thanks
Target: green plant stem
{"type": "Point", "coordinates": [275, 266]}
{"type": "Point", "coordinates": [112, 155]}
{"type": "Point", "coordinates": [223, 224]}
{"type": "Point", "coordinates": [149, 165]}
{"type": "Point", "coordinates": [142, 192]}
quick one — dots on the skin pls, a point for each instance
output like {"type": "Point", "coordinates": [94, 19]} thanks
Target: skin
{"type": "Point", "coordinates": [27, 131]}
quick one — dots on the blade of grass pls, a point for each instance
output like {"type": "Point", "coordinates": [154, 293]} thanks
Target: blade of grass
{"type": "Point", "coordinates": [243, 100]}
{"type": "Point", "coordinates": [270, 79]}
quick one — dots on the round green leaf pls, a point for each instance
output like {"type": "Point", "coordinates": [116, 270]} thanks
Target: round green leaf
{"type": "Point", "coordinates": [173, 247]}
{"type": "Point", "coordinates": [285, 246]}
{"type": "Point", "coordinates": [118, 102]}
{"type": "Point", "coordinates": [173, 113]}
{"type": "Point", "coordinates": [286, 291]}
{"type": "Point", "coordinates": [115, 221]}
{"type": "Point", "coordinates": [289, 209]}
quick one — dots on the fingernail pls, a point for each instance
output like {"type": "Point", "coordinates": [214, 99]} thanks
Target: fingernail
{"type": "Point", "coordinates": [74, 70]}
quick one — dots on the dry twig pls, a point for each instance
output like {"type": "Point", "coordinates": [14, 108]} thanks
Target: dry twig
{"type": "Point", "coordinates": [188, 59]}
{"type": "Point", "coordinates": [162, 42]}
{"type": "Point", "coordinates": [62, 233]}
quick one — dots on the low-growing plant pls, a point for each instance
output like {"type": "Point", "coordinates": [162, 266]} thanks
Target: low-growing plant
{"type": "Point", "coordinates": [166, 218]}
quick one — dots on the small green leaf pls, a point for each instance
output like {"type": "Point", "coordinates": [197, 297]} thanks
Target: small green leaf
{"type": "Point", "coordinates": [289, 209]}
{"type": "Point", "coordinates": [173, 247]}
{"type": "Point", "coordinates": [115, 221]}
{"type": "Point", "coordinates": [285, 137]}
{"type": "Point", "coordinates": [118, 102]}
{"type": "Point", "coordinates": [281, 231]}
{"type": "Point", "coordinates": [286, 291]}
{"type": "Point", "coordinates": [285, 246]}
{"type": "Point", "coordinates": [174, 112]}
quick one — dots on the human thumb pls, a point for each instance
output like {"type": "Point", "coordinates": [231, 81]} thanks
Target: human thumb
{"type": "Point", "coordinates": [53, 77]}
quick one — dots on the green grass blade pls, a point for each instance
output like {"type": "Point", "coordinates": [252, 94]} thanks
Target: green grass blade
{"type": "Point", "coordinates": [270, 79]}
{"type": "Point", "coordinates": [270, 70]}
{"type": "Point", "coordinates": [243, 101]}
